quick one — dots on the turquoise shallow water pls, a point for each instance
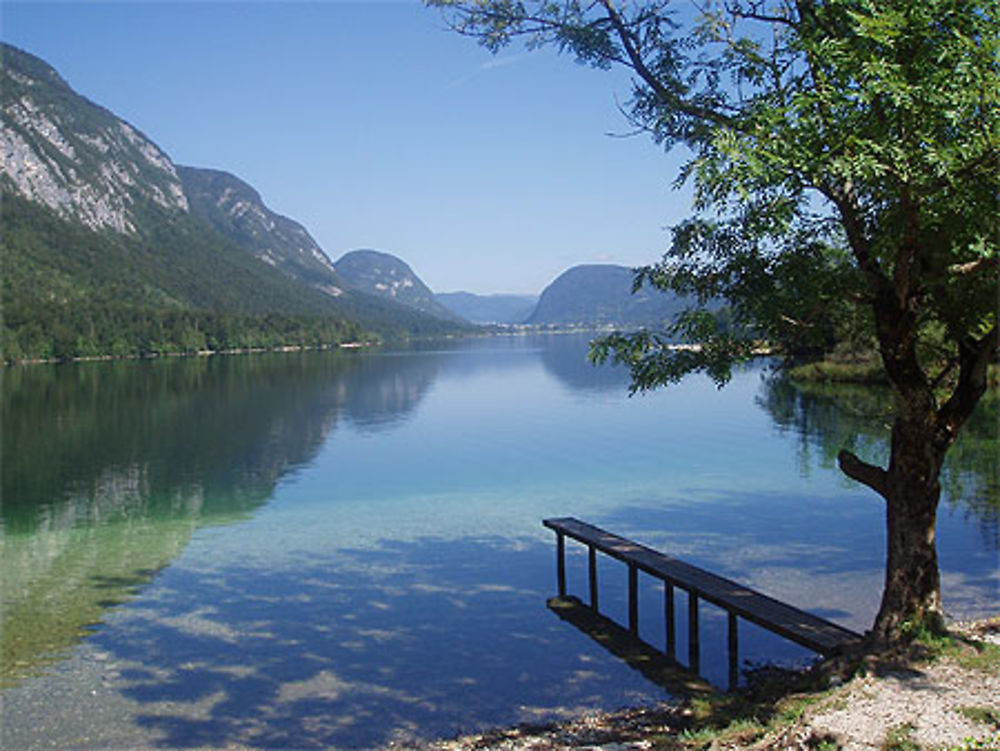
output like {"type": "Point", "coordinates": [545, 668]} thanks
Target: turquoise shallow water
{"type": "Point", "coordinates": [330, 549]}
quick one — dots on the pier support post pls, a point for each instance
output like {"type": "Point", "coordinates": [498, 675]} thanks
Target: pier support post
{"type": "Point", "coordinates": [561, 563]}
{"type": "Point", "coordinates": [694, 651]}
{"type": "Point", "coordinates": [668, 617]}
{"type": "Point", "coordinates": [734, 648]}
{"type": "Point", "coordinates": [633, 599]}
{"type": "Point", "coordinates": [592, 569]}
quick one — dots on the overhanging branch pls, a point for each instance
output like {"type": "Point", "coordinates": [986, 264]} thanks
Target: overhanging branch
{"type": "Point", "coordinates": [874, 477]}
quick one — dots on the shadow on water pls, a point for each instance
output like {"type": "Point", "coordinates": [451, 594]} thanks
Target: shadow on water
{"type": "Point", "coordinates": [359, 648]}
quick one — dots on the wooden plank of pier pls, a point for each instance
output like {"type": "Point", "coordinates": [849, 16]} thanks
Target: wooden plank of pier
{"type": "Point", "coordinates": [797, 625]}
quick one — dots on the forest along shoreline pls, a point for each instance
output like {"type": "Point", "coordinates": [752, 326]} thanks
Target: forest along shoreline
{"type": "Point", "coordinates": [280, 349]}
{"type": "Point", "coordinates": [940, 692]}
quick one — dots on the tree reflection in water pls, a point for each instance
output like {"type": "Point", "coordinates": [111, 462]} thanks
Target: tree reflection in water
{"type": "Point", "coordinates": [828, 417]}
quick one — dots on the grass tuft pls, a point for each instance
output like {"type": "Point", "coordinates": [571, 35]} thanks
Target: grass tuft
{"type": "Point", "coordinates": [900, 738]}
{"type": "Point", "coordinates": [969, 652]}
{"type": "Point", "coordinates": [978, 744]}
{"type": "Point", "coordinates": [989, 716]}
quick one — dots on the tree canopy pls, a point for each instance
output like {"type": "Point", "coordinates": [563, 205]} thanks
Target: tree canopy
{"type": "Point", "coordinates": [846, 166]}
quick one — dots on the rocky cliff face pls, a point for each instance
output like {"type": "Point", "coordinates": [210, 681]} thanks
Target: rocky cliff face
{"type": "Point", "coordinates": [236, 210]}
{"type": "Point", "coordinates": [61, 150]}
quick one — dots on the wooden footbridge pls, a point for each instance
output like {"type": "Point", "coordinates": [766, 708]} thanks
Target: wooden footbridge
{"type": "Point", "coordinates": [738, 601]}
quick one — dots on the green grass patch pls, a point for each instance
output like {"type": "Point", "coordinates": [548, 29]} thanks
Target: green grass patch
{"type": "Point", "coordinates": [981, 656]}
{"type": "Point", "coordinates": [970, 653]}
{"type": "Point", "coordinates": [823, 744]}
{"type": "Point", "coordinates": [864, 371]}
{"type": "Point", "coordinates": [792, 708]}
{"type": "Point", "coordinates": [983, 715]}
{"type": "Point", "coordinates": [775, 699]}
{"type": "Point", "coordinates": [978, 744]}
{"type": "Point", "coordinates": [900, 738]}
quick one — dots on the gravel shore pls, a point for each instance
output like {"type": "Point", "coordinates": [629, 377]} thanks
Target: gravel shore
{"type": "Point", "coordinates": [941, 703]}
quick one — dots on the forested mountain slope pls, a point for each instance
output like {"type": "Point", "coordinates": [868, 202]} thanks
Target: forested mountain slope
{"type": "Point", "coordinates": [601, 295]}
{"type": "Point", "coordinates": [237, 212]}
{"type": "Point", "coordinates": [105, 252]}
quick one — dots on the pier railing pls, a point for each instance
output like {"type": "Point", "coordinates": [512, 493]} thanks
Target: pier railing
{"type": "Point", "coordinates": [738, 601]}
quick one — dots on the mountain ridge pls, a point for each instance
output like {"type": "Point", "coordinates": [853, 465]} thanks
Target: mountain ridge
{"type": "Point", "coordinates": [103, 254]}
{"type": "Point", "coordinates": [109, 247]}
{"type": "Point", "coordinates": [235, 209]}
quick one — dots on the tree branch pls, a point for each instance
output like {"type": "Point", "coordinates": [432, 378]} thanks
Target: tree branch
{"type": "Point", "coordinates": [973, 358]}
{"type": "Point", "coordinates": [754, 13]}
{"type": "Point", "coordinates": [964, 269]}
{"type": "Point", "coordinates": [842, 196]}
{"type": "Point", "coordinates": [907, 254]}
{"type": "Point", "coordinates": [874, 477]}
{"type": "Point", "coordinates": [631, 46]}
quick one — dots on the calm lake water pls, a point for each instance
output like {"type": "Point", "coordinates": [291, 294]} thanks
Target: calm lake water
{"type": "Point", "coordinates": [345, 549]}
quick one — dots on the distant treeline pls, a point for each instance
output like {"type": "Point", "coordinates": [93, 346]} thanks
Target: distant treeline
{"type": "Point", "coordinates": [58, 331]}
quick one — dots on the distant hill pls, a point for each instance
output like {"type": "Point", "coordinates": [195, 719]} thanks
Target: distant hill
{"type": "Point", "coordinates": [601, 295]}
{"type": "Point", "coordinates": [487, 309]}
{"type": "Point", "coordinates": [384, 275]}
{"type": "Point", "coordinates": [109, 248]}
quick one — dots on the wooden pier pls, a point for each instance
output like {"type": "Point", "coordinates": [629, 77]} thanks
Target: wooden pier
{"type": "Point", "coordinates": [738, 601]}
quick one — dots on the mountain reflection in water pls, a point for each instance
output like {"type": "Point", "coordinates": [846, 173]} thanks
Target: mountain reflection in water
{"type": "Point", "coordinates": [110, 467]}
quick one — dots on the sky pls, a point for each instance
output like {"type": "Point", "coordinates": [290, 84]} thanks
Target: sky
{"type": "Point", "coordinates": [375, 126]}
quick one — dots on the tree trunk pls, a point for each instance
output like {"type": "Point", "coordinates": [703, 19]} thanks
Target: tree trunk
{"type": "Point", "coordinates": [912, 592]}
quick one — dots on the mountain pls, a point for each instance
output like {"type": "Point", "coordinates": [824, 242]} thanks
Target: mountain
{"type": "Point", "coordinates": [76, 158]}
{"type": "Point", "coordinates": [106, 250]}
{"type": "Point", "coordinates": [601, 295]}
{"type": "Point", "coordinates": [236, 211]}
{"type": "Point", "coordinates": [487, 309]}
{"type": "Point", "coordinates": [389, 277]}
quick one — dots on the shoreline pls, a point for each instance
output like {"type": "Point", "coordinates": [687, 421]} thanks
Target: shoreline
{"type": "Point", "coordinates": [199, 353]}
{"type": "Point", "coordinates": [936, 695]}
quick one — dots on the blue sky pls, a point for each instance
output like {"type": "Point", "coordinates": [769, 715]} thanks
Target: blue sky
{"type": "Point", "coordinates": [375, 127]}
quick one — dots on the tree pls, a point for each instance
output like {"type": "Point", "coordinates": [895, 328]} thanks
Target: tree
{"type": "Point", "coordinates": [845, 162]}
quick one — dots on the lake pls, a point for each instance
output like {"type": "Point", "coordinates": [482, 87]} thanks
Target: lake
{"type": "Point", "coordinates": [343, 549]}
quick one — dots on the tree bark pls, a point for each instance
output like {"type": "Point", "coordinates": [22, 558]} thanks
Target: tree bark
{"type": "Point", "coordinates": [912, 589]}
